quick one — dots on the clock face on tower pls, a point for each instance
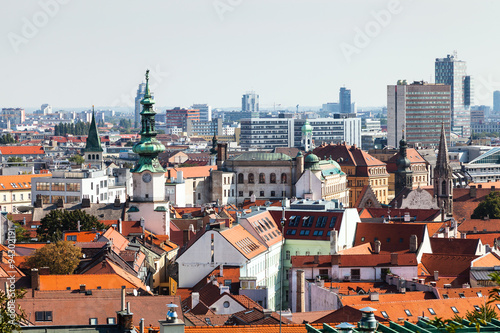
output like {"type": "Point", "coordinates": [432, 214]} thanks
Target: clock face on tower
{"type": "Point", "coordinates": [146, 177]}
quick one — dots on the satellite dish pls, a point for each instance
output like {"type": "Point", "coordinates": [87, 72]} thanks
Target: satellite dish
{"type": "Point", "coordinates": [135, 292]}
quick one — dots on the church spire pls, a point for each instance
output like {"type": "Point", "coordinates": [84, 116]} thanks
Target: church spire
{"type": "Point", "coordinates": [93, 143]}
{"type": "Point", "coordinates": [404, 174]}
{"type": "Point", "coordinates": [443, 176]}
{"type": "Point", "coordinates": [149, 147]}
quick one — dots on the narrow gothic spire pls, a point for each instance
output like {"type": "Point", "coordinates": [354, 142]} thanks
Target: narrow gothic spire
{"type": "Point", "coordinates": [443, 161]}
{"type": "Point", "coordinates": [93, 143]}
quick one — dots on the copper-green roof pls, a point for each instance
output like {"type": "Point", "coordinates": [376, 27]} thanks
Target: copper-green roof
{"type": "Point", "coordinates": [93, 141]}
{"type": "Point", "coordinates": [258, 156]}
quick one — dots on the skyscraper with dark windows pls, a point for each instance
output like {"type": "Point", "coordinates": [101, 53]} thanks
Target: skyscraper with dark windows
{"type": "Point", "coordinates": [452, 72]}
{"type": "Point", "coordinates": [345, 100]}
{"type": "Point", "coordinates": [496, 101]}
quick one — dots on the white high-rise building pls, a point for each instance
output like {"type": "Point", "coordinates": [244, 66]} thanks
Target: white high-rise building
{"type": "Point", "coordinates": [205, 111]}
{"type": "Point", "coordinates": [46, 109]}
{"type": "Point", "coordinates": [250, 102]}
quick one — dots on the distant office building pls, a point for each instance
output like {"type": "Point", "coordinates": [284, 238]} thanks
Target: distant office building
{"type": "Point", "coordinates": [205, 111]}
{"type": "Point", "coordinates": [496, 101]}
{"type": "Point", "coordinates": [13, 116]}
{"type": "Point", "coordinates": [479, 114]}
{"type": "Point", "coordinates": [331, 108]}
{"type": "Point", "coordinates": [267, 133]}
{"type": "Point", "coordinates": [179, 117]}
{"type": "Point", "coordinates": [418, 108]}
{"type": "Point", "coordinates": [250, 102]}
{"type": "Point", "coordinates": [46, 109]}
{"type": "Point", "coordinates": [345, 100]}
{"type": "Point", "coordinates": [452, 72]}
{"type": "Point", "coordinates": [138, 108]}
{"type": "Point", "coordinates": [204, 128]}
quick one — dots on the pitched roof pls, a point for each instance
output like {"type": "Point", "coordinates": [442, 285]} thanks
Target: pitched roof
{"type": "Point", "coordinates": [347, 155]}
{"type": "Point", "coordinates": [394, 237]}
{"type": "Point", "coordinates": [91, 281]}
{"type": "Point", "coordinates": [119, 242]}
{"type": "Point", "coordinates": [83, 236]}
{"type": "Point", "coordinates": [18, 182]}
{"type": "Point", "coordinates": [263, 223]}
{"type": "Point", "coordinates": [355, 260]}
{"type": "Point", "coordinates": [454, 246]}
{"type": "Point", "coordinates": [22, 150]}
{"type": "Point", "coordinates": [490, 259]}
{"type": "Point", "coordinates": [485, 238]}
{"type": "Point", "coordinates": [309, 225]}
{"type": "Point", "coordinates": [266, 328]}
{"type": "Point", "coordinates": [464, 203]}
{"type": "Point", "coordinates": [412, 154]}
{"type": "Point", "coordinates": [243, 241]}
{"type": "Point", "coordinates": [449, 265]}
{"type": "Point", "coordinates": [418, 215]}
{"type": "Point", "coordinates": [479, 225]}
{"type": "Point", "coordinates": [191, 172]}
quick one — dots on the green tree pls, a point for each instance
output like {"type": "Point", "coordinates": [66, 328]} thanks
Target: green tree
{"type": "Point", "coordinates": [22, 235]}
{"type": "Point", "coordinates": [58, 220]}
{"type": "Point", "coordinates": [9, 321]}
{"type": "Point", "coordinates": [14, 160]}
{"type": "Point", "coordinates": [490, 207]}
{"type": "Point", "coordinates": [485, 313]}
{"type": "Point", "coordinates": [61, 258]}
{"type": "Point", "coordinates": [76, 159]}
{"type": "Point", "coordinates": [7, 138]}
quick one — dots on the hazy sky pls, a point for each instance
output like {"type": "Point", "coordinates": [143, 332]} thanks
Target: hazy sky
{"type": "Point", "coordinates": [80, 53]}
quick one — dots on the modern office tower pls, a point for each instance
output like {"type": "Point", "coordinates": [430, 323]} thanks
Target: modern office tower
{"type": "Point", "coordinates": [419, 109]}
{"type": "Point", "coordinates": [138, 99]}
{"type": "Point", "coordinates": [45, 109]}
{"type": "Point", "coordinates": [13, 116]}
{"type": "Point", "coordinates": [345, 100]}
{"type": "Point", "coordinates": [268, 133]}
{"type": "Point", "coordinates": [250, 102]}
{"type": "Point", "coordinates": [452, 72]}
{"type": "Point", "coordinates": [496, 101]}
{"type": "Point", "coordinates": [205, 111]}
{"type": "Point", "coordinates": [178, 117]}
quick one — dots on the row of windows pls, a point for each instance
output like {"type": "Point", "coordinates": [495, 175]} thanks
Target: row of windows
{"type": "Point", "coordinates": [15, 197]}
{"type": "Point", "coordinates": [70, 187]}
{"type": "Point", "coordinates": [308, 221]}
{"type": "Point", "coordinates": [262, 178]}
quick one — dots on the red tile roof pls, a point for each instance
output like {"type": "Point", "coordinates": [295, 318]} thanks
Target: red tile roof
{"type": "Point", "coordinates": [22, 150]}
{"type": "Point", "coordinates": [419, 215]}
{"type": "Point", "coordinates": [449, 265]}
{"type": "Point", "coordinates": [454, 246]}
{"type": "Point", "coordinates": [485, 238]}
{"type": "Point", "coordinates": [191, 172]}
{"type": "Point", "coordinates": [394, 237]}
{"type": "Point", "coordinates": [18, 182]}
{"type": "Point", "coordinates": [355, 260]}
{"type": "Point", "coordinates": [243, 241]}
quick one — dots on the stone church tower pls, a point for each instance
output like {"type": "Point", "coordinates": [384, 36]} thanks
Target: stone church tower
{"type": "Point", "coordinates": [443, 177]}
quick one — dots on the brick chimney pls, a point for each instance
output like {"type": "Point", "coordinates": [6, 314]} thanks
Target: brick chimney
{"type": "Point", "coordinates": [376, 247]}
{"type": "Point", "coordinates": [473, 191]}
{"type": "Point", "coordinates": [394, 259]}
{"type": "Point", "coordinates": [301, 293]}
{"type": "Point", "coordinates": [35, 279]}
{"type": "Point", "coordinates": [413, 243]}
{"type": "Point", "coordinates": [335, 259]}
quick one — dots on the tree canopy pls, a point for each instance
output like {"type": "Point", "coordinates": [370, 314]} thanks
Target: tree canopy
{"type": "Point", "coordinates": [76, 159]}
{"type": "Point", "coordinates": [61, 257]}
{"type": "Point", "coordinates": [490, 207]}
{"type": "Point", "coordinates": [7, 138]}
{"type": "Point", "coordinates": [58, 220]}
{"type": "Point", "coordinates": [79, 128]}
{"type": "Point", "coordinates": [9, 321]}
{"type": "Point", "coordinates": [15, 161]}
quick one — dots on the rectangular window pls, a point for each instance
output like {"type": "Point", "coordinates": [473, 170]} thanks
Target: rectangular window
{"type": "Point", "coordinates": [308, 221]}
{"type": "Point", "coordinates": [57, 197]}
{"type": "Point", "coordinates": [240, 193]}
{"type": "Point", "coordinates": [111, 320]}
{"type": "Point", "coordinates": [323, 272]}
{"type": "Point", "coordinates": [43, 186]}
{"type": "Point", "coordinates": [408, 313]}
{"type": "Point", "coordinates": [4, 198]}
{"type": "Point", "coordinates": [321, 222]}
{"type": "Point", "coordinates": [72, 199]}
{"type": "Point", "coordinates": [273, 193]}
{"type": "Point", "coordinates": [13, 197]}
{"type": "Point", "coordinates": [384, 314]}
{"type": "Point", "coordinates": [291, 231]}
{"type": "Point", "coordinates": [58, 187]}
{"type": "Point", "coordinates": [287, 255]}
{"type": "Point", "coordinates": [93, 321]}
{"type": "Point", "coordinates": [261, 193]}
{"type": "Point", "coordinates": [73, 187]}
{"type": "Point", "coordinates": [43, 315]}
{"type": "Point", "coordinates": [22, 196]}
{"type": "Point", "coordinates": [355, 274]}
{"type": "Point", "coordinates": [227, 283]}
{"type": "Point", "coordinates": [454, 309]}
{"type": "Point", "coordinates": [332, 222]}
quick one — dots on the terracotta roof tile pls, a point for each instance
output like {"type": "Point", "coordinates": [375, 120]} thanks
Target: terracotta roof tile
{"type": "Point", "coordinates": [394, 237]}
{"type": "Point", "coordinates": [490, 259]}
{"type": "Point", "coordinates": [485, 238]}
{"type": "Point", "coordinates": [22, 150]}
{"type": "Point", "coordinates": [289, 328]}
{"type": "Point", "coordinates": [355, 260]}
{"type": "Point", "coordinates": [243, 241]}
{"type": "Point", "coordinates": [191, 172]}
{"type": "Point", "coordinates": [477, 225]}
{"type": "Point", "coordinates": [419, 215]}
{"type": "Point", "coordinates": [454, 246]}
{"type": "Point", "coordinates": [18, 182]}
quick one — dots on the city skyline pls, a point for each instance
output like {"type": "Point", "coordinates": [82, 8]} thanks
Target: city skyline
{"type": "Point", "coordinates": [69, 54]}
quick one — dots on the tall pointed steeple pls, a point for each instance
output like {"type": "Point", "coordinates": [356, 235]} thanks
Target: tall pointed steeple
{"type": "Point", "coordinates": [443, 176]}
{"type": "Point", "coordinates": [404, 174]}
{"type": "Point", "coordinates": [149, 147]}
{"type": "Point", "coordinates": [93, 149]}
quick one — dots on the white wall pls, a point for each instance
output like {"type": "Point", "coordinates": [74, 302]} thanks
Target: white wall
{"type": "Point", "coordinates": [156, 222]}
{"type": "Point", "coordinates": [234, 306]}
{"type": "Point", "coordinates": [308, 183]}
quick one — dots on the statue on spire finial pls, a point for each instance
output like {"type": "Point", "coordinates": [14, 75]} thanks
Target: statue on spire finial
{"type": "Point", "coordinates": [147, 75]}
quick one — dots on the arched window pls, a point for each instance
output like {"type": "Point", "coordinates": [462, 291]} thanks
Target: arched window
{"type": "Point", "coordinates": [283, 178]}
{"type": "Point", "coordinates": [443, 187]}
{"type": "Point", "coordinates": [93, 156]}
{"type": "Point", "coordinates": [240, 178]}
{"type": "Point", "coordinates": [272, 178]}
{"type": "Point", "coordinates": [262, 178]}
{"type": "Point", "coordinates": [90, 156]}
{"type": "Point", "coordinates": [251, 179]}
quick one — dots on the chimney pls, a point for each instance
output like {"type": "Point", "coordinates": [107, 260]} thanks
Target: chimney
{"type": "Point", "coordinates": [195, 299]}
{"type": "Point", "coordinates": [120, 226]}
{"type": "Point", "coordinates": [221, 270]}
{"type": "Point", "coordinates": [316, 259]}
{"type": "Point", "coordinates": [82, 288]}
{"type": "Point", "coordinates": [446, 232]}
{"type": "Point", "coordinates": [186, 236]}
{"type": "Point", "coordinates": [60, 203]}
{"type": "Point", "coordinates": [479, 185]}
{"type": "Point", "coordinates": [180, 176]}
{"type": "Point", "coordinates": [463, 235]}
{"type": "Point", "coordinates": [117, 202]}
{"type": "Point", "coordinates": [413, 243]}
{"type": "Point", "coordinates": [38, 201]}
{"type": "Point", "coordinates": [267, 313]}
{"type": "Point", "coordinates": [335, 260]}
{"type": "Point", "coordinates": [334, 237]}
{"type": "Point", "coordinates": [44, 271]}
{"type": "Point", "coordinates": [86, 202]}
{"type": "Point", "coordinates": [35, 279]}
{"type": "Point", "coordinates": [123, 299]}
{"type": "Point", "coordinates": [493, 188]}
{"type": "Point", "coordinates": [436, 275]}
{"type": "Point", "coordinates": [473, 191]}
{"type": "Point", "coordinates": [141, 326]}
{"type": "Point", "coordinates": [376, 248]}
{"type": "Point", "coordinates": [125, 317]}
{"type": "Point", "coordinates": [301, 300]}
{"type": "Point", "coordinates": [394, 259]}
